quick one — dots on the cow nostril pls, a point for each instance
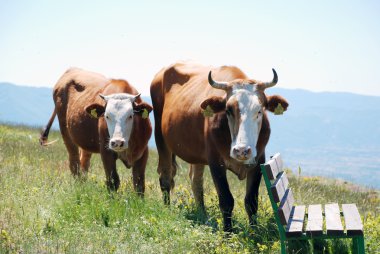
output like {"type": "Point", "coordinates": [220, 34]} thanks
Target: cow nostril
{"type": "Point", "coordinates": [121, 143]}
{"type": "Point", "coordinates": [248, 151]}
{"type": "Point", "coordinates": [113, 143]}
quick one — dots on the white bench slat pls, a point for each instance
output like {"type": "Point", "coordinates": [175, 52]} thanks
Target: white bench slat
{"type": "Point", "coordinates": [333, 222]}
{"type": "Point", "coordinates": [280, 186]}
{"type": "Point", "coordinates": [286, 206]}
{"type": "Point", "coordinates": [352, 219]}
{"type": "Point", "coordinates": [314, 225]}
{"type": "Point", "coordinates": [295, 224]}
{"type": "Point", "coordinates": [280, 165]}
{"type": "Point", "coordinates": [271, 169]}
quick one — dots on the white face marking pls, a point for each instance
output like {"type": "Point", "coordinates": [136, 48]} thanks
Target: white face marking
{"type": "Point", "coordinates": [119, 118]}
{"type": "Point", "coordinates": [244, 140]}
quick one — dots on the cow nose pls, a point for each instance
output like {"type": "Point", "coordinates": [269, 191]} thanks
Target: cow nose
{"type": "Point", "coordinates": [242, 152]}
{"type": "Point", "coordinates": [117, 143]}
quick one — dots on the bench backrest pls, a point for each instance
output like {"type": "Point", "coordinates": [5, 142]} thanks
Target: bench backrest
{"type": "Point", "coordinates": [277, 184]}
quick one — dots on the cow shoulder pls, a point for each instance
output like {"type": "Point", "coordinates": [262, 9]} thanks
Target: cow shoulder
{"type": "Point", "coordinates": [218, 136]}
{"type": "Point", "coordinates": [177, 73]}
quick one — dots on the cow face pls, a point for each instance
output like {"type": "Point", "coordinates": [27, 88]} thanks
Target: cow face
{"type": "Point", "coordinates": [119, 112]}
{"type": "Point", "coordinates": [244, 106]}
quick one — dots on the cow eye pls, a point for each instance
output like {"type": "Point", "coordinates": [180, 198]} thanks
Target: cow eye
{"type": "Point", "coordinates": [130, 117]}
{"type": "Point", "coordinates": [107, 117]}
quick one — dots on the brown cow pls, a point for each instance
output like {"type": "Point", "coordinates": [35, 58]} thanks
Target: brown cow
{"type": "Point", "coordinates": [106, 116]}
{"type": "Point", "coordinates": [233, 136]}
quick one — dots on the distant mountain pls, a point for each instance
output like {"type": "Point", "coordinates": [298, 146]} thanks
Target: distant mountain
{"type": "Point", "coordinates": [25, 105]}
{"type": "Point", "coordinates": [330, 134]}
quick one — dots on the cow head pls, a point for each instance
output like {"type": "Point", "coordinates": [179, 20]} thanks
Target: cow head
{"type": "Point", "coordinates": [245, 104]}
{"type": "Point", "coordinates": [119, 112]}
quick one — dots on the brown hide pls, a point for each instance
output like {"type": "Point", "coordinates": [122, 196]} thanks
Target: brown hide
{"type": "Point", "coordinates": [84, 134]}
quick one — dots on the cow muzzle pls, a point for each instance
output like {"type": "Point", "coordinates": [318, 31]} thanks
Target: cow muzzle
{"type": "Point", "coordinates": [242, 153]}
{"type": "Point", "coordinates": [118, 144]}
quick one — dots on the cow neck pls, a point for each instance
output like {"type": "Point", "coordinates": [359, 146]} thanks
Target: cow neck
{"type": "Point", "coordinates": [238, 168]}
{"type": "Point", "coordinates": [126, 157]}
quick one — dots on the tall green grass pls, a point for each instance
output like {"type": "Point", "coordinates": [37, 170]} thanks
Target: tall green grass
{"type": "Point", "coordinates": [43, 209]}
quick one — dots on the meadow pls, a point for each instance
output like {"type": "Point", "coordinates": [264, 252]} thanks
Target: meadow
{"type": "Point", "coordinates": [44, 209]}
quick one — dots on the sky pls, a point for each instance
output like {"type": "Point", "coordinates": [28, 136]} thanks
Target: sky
{"type": "Point", "coordinates": [313, 45]}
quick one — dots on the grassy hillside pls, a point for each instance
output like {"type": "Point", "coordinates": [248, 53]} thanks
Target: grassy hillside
{"type": "Point", "coordinates": [43, 209]}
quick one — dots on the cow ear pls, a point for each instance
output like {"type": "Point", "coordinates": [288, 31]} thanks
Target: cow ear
{"type": "Point", "coordinates": [137, 108]}
{"type": "Point", "coordinates": [214, 103]}
{"type": "Point", "coordinates": [277, 104]}
{"type": "Point", "coordinates": [95, 110]}
{"type": "Point", "coordinates": [143, 109]}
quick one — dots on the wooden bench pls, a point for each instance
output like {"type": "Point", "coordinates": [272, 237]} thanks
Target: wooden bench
{"type": "Point", "coordinates": [298, 222]}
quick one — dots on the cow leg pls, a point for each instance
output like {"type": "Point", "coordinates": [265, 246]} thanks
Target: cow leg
{"type": "Point", "coordinates": [196, 177]}
{"type": "Point", "coordinates": [252, 192]}
{"type": "Point", "coordinates": [109, 163]}
{"type": "Point", "coordinates": [72, 149]}
{"type": "Point", "coordinates": [138, 173]}
{"type": "Point", "coordinates": [174, 167]}
{"type": "Point", "coordinates": [226, 201]}
{"type": "Point", "coordinates": [85, 158]}
{"type": "Point", "coordinates": [165, 175]}
{"type": "Point", "coordinates": [165, 164]}
{"type": "Point", "coordinates": [74, 160]}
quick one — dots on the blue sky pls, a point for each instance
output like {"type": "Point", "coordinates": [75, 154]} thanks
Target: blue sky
{"type": "Point", "coordinates": [313, 45]}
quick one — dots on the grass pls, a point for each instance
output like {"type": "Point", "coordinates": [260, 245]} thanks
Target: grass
{"type": "Point", "coordinates": [43, 209]}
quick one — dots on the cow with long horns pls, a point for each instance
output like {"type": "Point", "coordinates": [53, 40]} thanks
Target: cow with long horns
{"type": "Point", "coordinates": [221, 123]}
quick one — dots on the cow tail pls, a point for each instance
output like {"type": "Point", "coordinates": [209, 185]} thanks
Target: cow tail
{"type": "Point", "coordinates": [45, 132]}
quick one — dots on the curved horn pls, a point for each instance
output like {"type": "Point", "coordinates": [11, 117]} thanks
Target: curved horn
{"type": "Point", "coordinates": [273, 82]}
{"type": "Point", "coordinates": [217, 85]}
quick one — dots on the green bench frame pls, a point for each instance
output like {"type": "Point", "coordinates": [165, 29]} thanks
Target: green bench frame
{"type": "Point", "coordinates": [294, 223]}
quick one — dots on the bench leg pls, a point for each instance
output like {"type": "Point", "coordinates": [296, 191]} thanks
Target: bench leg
{"type": "Point", "coordinates": [359, 247]}
{"type": "Point", "coordinates": [283, 247]}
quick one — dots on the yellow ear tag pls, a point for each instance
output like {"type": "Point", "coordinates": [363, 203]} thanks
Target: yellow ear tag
{"type": "Point", "coordinates": [208, 112]}
{"type": "Point", "coordinates": [279, 110]}
{"type": "Point", "coordinates": [94, 114]}
{"type": "Point", "coordinates": [145, 114]}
